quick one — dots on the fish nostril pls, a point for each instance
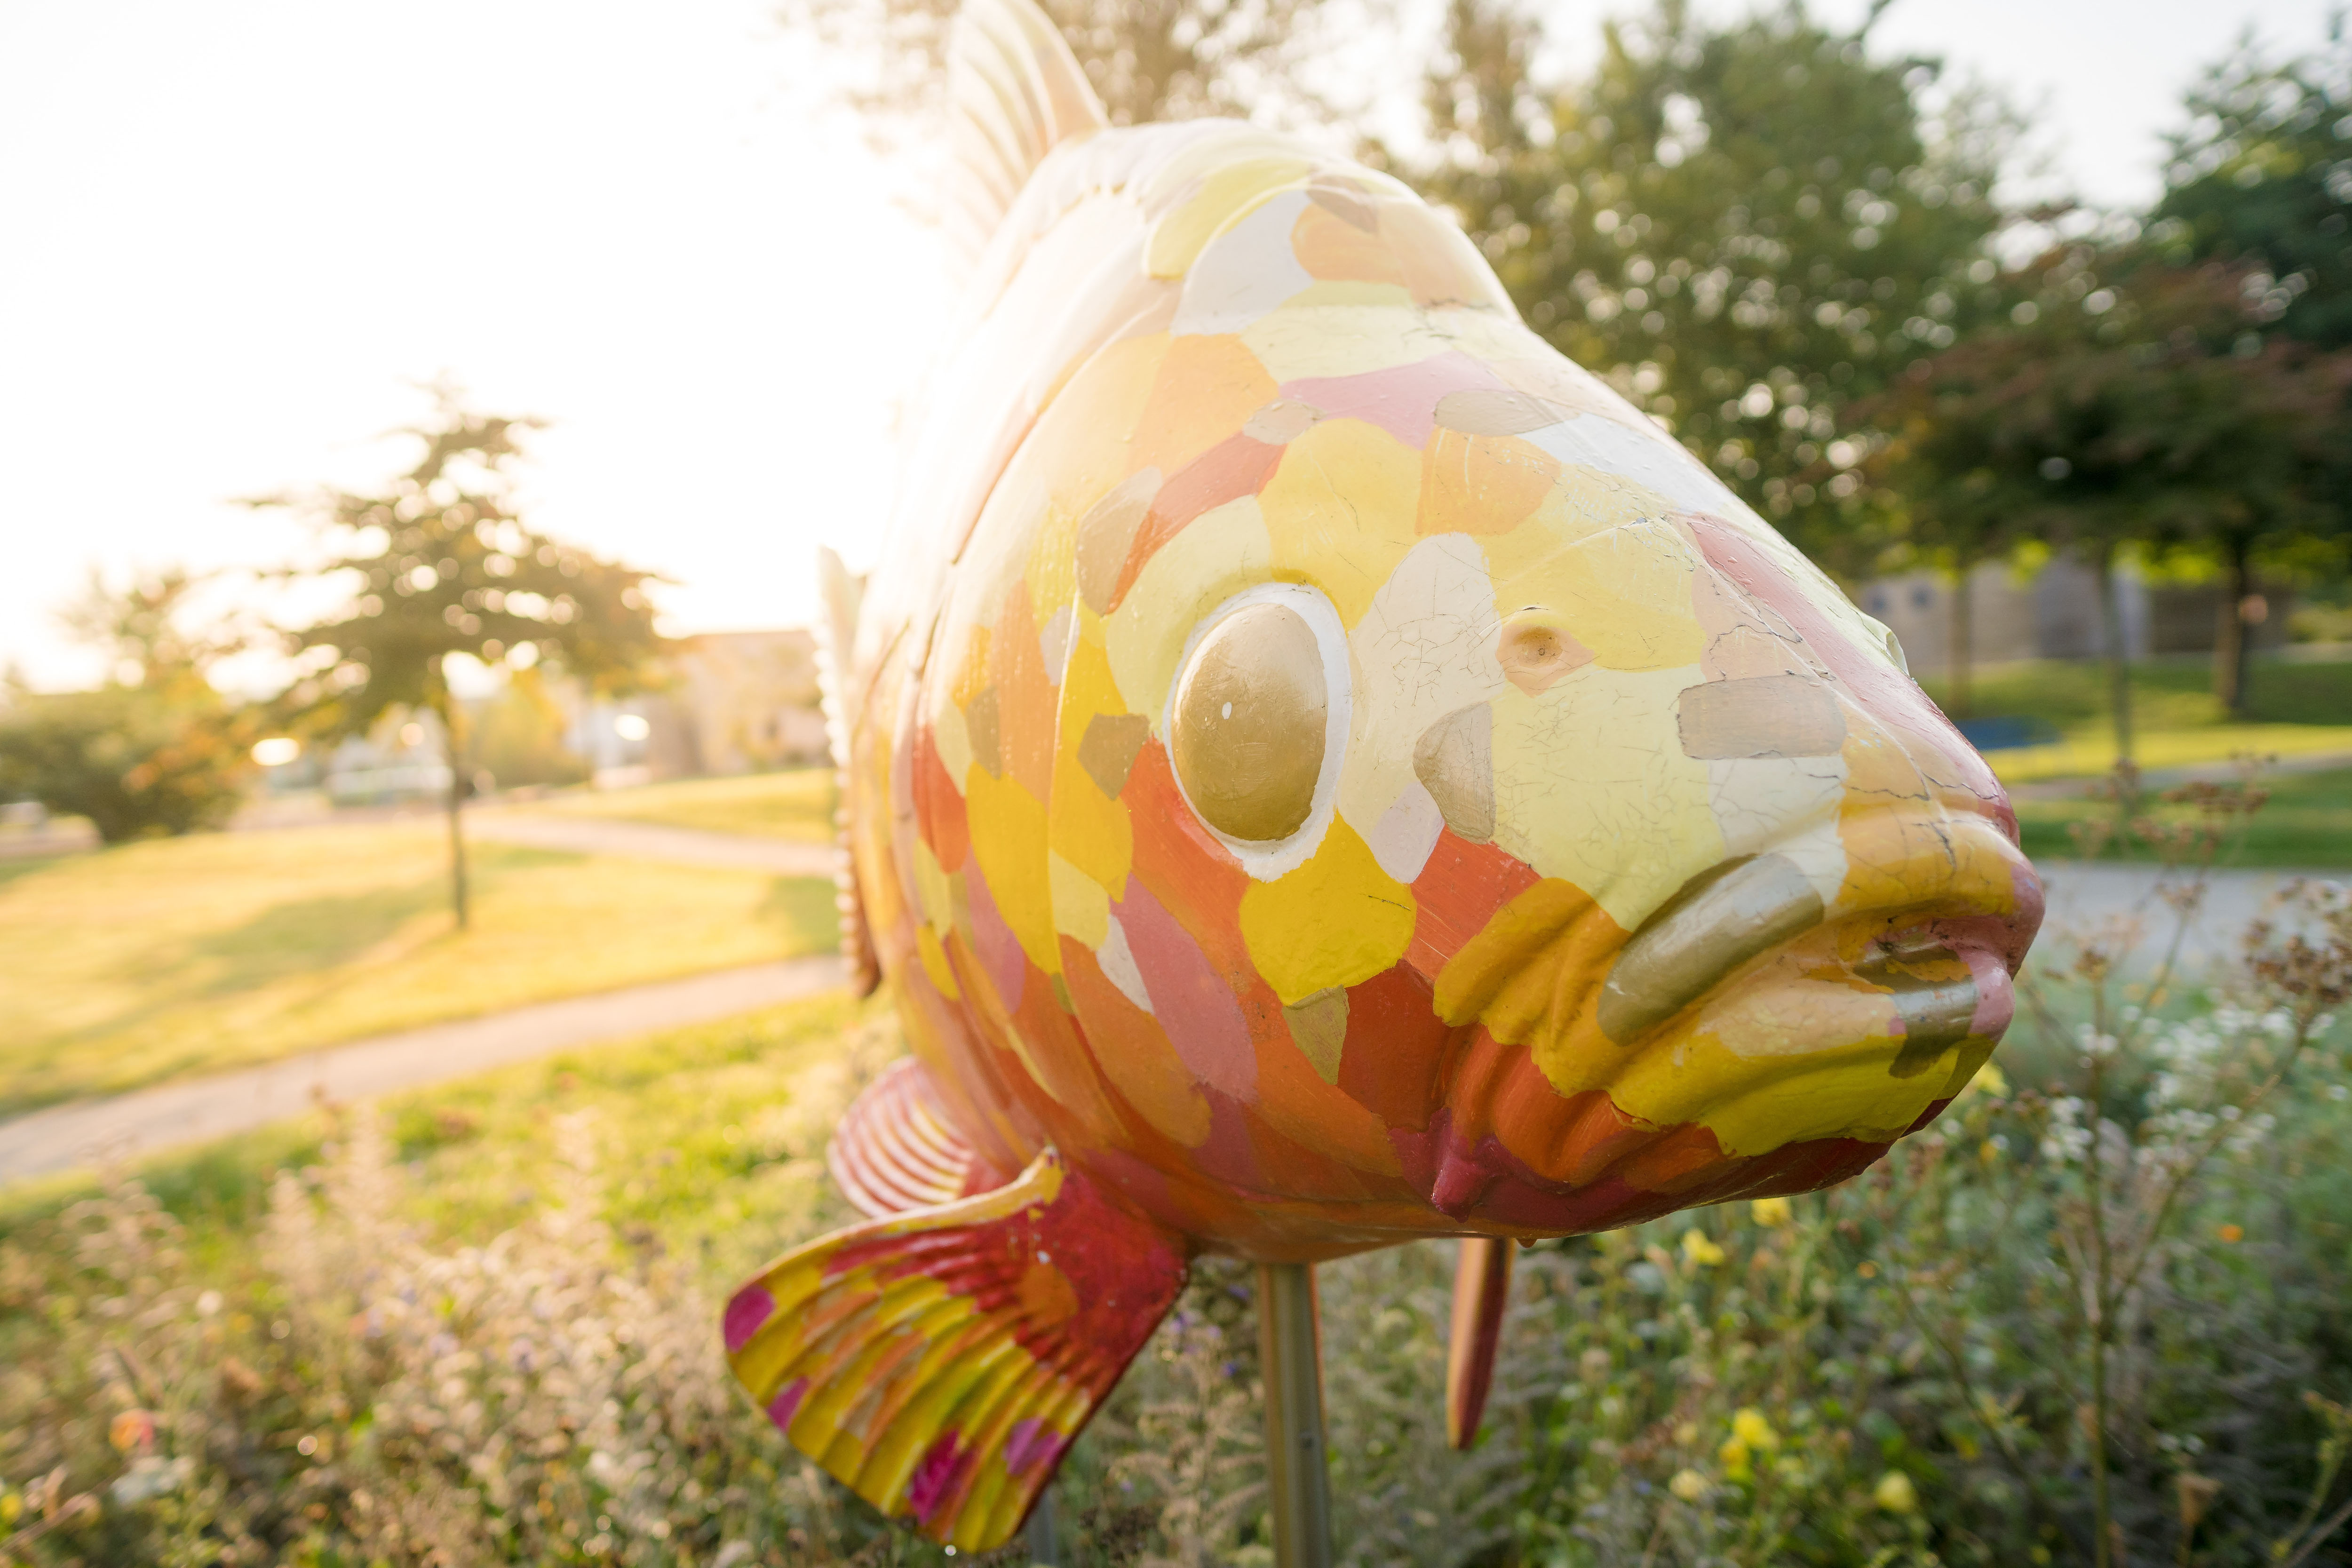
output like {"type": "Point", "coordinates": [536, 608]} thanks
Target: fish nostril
{"type": "Point", "coordinates": [1535, 652]}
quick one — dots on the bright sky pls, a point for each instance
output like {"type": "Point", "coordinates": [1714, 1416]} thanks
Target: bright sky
{"type": "Point", "coordinates": [237, 233]}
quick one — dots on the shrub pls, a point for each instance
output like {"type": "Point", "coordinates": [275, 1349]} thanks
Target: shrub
{"type": "Point", "coordinates": [163, 757]}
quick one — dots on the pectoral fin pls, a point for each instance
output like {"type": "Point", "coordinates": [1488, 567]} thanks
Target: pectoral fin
{"type": "Point", "coordinates": [939, 1362]}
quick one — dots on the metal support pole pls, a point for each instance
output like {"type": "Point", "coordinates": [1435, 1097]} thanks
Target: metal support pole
{"type": "Point", "coordinates": [1044, 1547]}
{"type": "Point", "coordinates": [1299, 1475]}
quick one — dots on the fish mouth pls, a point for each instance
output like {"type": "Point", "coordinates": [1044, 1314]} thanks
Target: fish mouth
{"type": "Point", "coordinates": [1730, 915]}
{"type": "Point", "coordinates": [1749, 1037]}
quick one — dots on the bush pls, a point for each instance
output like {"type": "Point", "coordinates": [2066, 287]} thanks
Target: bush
{"type": "Point", "coordinates": [164, 757]}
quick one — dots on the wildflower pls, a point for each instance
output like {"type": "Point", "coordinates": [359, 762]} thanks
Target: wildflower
{"type": "Point", "coordinates": [1773, 1212]}
{"type": "Point", "coordinates": [1749, 1426]}
{"type": "Point", "coordinates": [1990, 1151]}
{"type": "Point", "coordinates": [1686, 1433]}
{"type": "Point", "coordinates": [2232, 1234]}
{"type": "Point", "coordinates": [1697, 1248]}
{"type": "Point", "coordinates": [1735, 1455]}
{"type": "Point", "coordinates": [1894, 1493]}
{"type": "Point", "coordinates": [133, 1429]}
{"type": "Point", "coordinates": [12, 1508]}
{"type": "Point", "coordinates": [1688, 1485]}
{"type": "Point", "coordinates": [1989, 1079]}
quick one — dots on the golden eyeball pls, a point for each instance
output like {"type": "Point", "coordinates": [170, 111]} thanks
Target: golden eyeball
{"type": "Point", "coordinates": [1248, 723]}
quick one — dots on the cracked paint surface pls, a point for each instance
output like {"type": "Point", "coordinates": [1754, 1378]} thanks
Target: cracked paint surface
{"type": "Point", "coordinates": [1600, 721]}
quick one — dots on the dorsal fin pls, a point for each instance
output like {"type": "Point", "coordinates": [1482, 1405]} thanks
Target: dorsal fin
{"type": "Point", "coordinates": [836, 643]}
{"type": "Point", "coordinates": [1014, 92]}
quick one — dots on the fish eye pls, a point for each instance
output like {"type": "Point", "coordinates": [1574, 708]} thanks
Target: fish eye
{"type": "Point", "coordinates": [1251, 720]}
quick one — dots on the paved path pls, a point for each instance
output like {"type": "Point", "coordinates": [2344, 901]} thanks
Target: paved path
{"type": "Point", "coordinates": [2084, 897]}
{"type": "Point", "coordinates": [650, 841]}
{"type": "Point", "coordinates": [80, 1134]}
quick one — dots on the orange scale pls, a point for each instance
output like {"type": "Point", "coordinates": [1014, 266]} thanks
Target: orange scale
{"type": "Point", "coordinates": [1392, 1061]}
{"type": "Point", "coordinates": [1237, 467]}
{"type": "Point", "coordinates": [1686, 1155]}
{"type": "Point", "coordinates": [1318, 1118]}
{"type": "Point", "coordinates": [1078, 1108]}
{"type": "Point", "coordinates": [1460, 887]}
{"type": "Point", "coordinates": [1304, 1174]}
{"type": "Point", "coordinates": [1194, 877]}
{"type": "Point", "coordinates": [1026, 699]}
{"type": "Point", "coordinates": [1481, 484]}
{"type": "Point", "coordinates": [939, 805]}
{"type": "Point", "coordinates": [1204, 390]}
{"type": "Point", "coordinates": [1336, 250]}
{"type": "Point", "coordinates": [1164, 1112]}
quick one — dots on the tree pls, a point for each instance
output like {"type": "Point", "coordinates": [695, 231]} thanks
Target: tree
{"type": "Point", "coordinates": [155, 749]}
{"type": "Point", "coordinates": [2262, 175]}
{"type": "Point", "coordinates": [1748, 228]}
{"type": "Point", "coordinates": [2124, 406]}
{"type": "Point", "coordinates": [440, 567]}
{"type": "Point", "coordinates": [2262, 179]}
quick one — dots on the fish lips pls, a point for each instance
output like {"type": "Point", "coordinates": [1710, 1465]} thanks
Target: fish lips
{"type": "Point", "coordinates": [1739, 910]}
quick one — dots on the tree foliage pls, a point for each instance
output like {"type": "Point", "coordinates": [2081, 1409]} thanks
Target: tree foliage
{"type": "Point", "coordinates": [440, 565]}
{"type": "Point", "coordinates": [2126, 404]}
{"type": "Point", "coordinates": [1746, 227]}
{"type": "Point", "coordinates": [155, 750]}
{"type": "Point", "coordinates": [2262, 175]}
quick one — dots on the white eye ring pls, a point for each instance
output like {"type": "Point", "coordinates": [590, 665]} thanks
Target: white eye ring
{"type": "Point", "coordinates": [1264, 862]}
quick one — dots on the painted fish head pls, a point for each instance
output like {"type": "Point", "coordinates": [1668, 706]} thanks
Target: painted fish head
{"type": "Point", "coordinates": [1464, 812]}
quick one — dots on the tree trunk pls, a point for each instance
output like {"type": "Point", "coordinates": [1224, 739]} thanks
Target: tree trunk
{"type": "Point", "coordinates": [1960, 651]}
{"type": "Point", "coordinates": [446, 705]}
{"type": "Point", "coordinates": [2110, 643]}
{"type": "Point", "coordinates": [2232, 639]}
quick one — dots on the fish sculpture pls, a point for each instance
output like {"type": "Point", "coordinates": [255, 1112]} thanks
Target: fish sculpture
{"type": "Point", "coordinates": [1322, 771]}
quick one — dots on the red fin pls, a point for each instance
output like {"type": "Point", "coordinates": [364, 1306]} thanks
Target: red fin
{"type": "Point", "coordinates": [895, 1151]}
{"type": "Point", "coordinates": [939, 1363]}
{"type": "Point", "coordinates": [1482, 1287]}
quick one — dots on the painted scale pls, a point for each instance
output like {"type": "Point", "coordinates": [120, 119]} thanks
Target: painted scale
{"type": "Point", "coordinates": [1321, 771]}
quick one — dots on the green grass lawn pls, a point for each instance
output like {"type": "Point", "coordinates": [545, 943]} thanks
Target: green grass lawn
{"type": "Point", "coordinates": [2307, 823]}
{"type": "Point", "coordinates": [2295, 710]}
{"type": "Point", "coordinates": [797, 804]}
{"type": "Point", "coordinates": [173, 957]}
{"type": "Point", "coordinates": [714, 1133]}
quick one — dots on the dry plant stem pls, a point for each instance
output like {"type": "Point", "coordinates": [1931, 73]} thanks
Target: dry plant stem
{"type": "Point", "coordinates": [2320, 1537]}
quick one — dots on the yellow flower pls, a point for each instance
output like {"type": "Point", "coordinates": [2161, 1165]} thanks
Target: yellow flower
{"type": "Point", "coordinates": [2232, 1234]}
{"type": "Point", "coordinates": [1734, 1455]}
{"type": "Point", "coordinates": [12, 1508]}
{"type": "Point", "coordinates": [1894, 1493]}
{"type": "Point", "coordinates": [1774, 1212]}
{"type": "Point", "coordinates": [1688, 1485]}
{"type": "Point", "coordinates": [1749, 1426]}
{"type": "Point", "coordinates": [1686, 1433]}
{"type": "Point", "coordinates": [1697, 1248]}
{"type": "Point", "coordinates": [1989, 1079]}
